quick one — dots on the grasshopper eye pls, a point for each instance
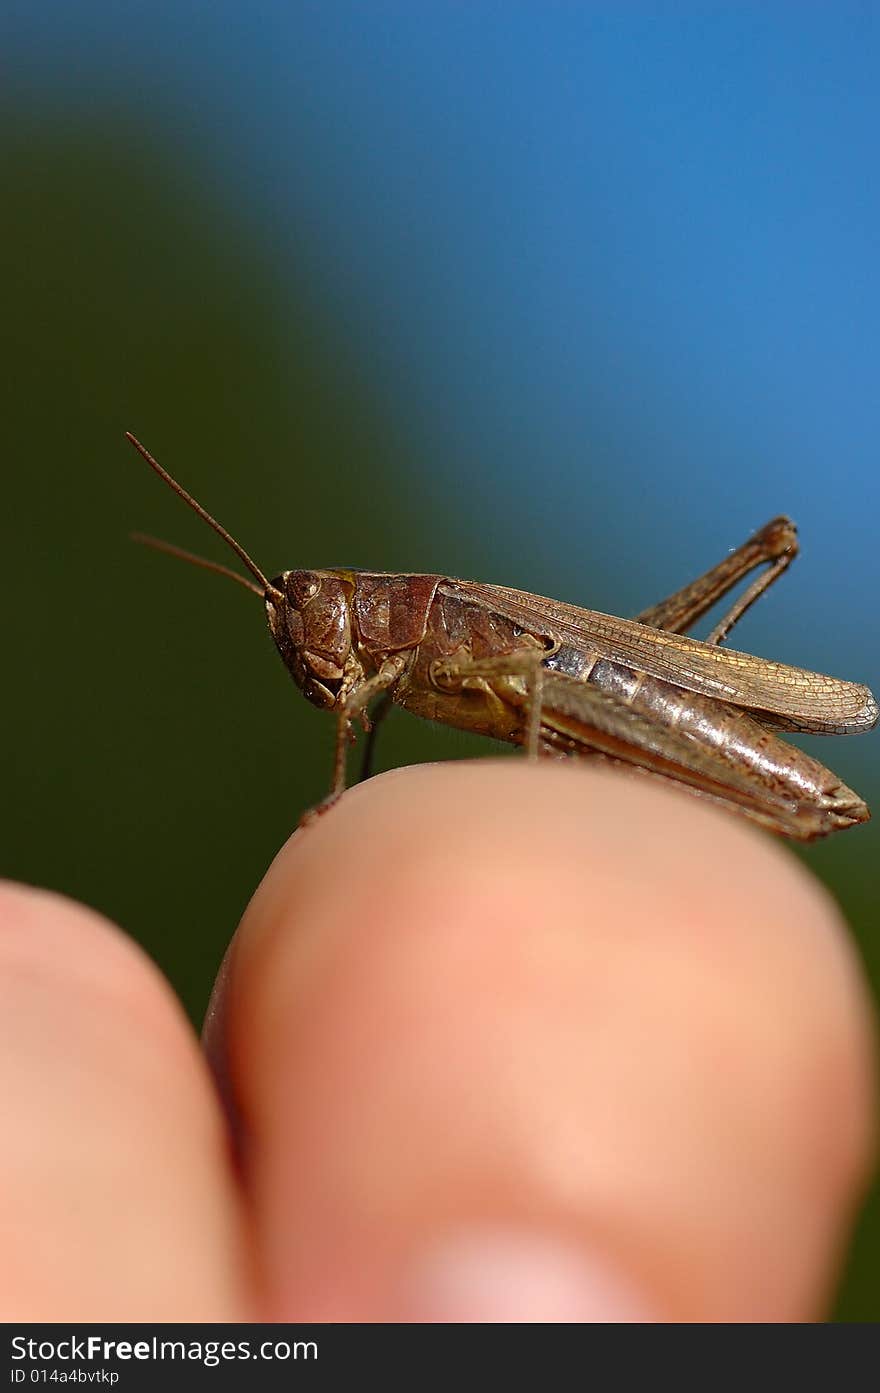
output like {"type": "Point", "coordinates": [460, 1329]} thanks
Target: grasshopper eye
{"type": "Point", "coordinates": [302, 587]}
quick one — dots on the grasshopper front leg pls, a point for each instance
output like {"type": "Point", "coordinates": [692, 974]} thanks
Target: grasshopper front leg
{"type": "Point", "coordinates": [354, 705]}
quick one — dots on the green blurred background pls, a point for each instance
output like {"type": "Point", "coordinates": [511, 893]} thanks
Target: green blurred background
{"type": "Point", "coordinates": [538, 294]}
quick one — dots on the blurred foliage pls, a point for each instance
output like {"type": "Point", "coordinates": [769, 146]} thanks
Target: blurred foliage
{"type": "Point", "coordinates": [156, 753]}
{"type": "Point", "coordinates": [849, 870]}
{"type": "Point", "coordinates": [151, 717]}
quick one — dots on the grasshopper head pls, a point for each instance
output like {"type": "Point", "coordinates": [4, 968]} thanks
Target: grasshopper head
{"type": "Point", "coordinates": [309, 614]}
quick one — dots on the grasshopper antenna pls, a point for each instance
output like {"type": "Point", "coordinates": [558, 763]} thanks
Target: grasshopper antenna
{"type": "Point", "coordinates": [171, 550]}
{"type": "Point", "coordinates": [265, 587]}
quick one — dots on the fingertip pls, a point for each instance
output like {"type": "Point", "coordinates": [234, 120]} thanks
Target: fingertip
{"type": "Point", "coordinates": [116, 1200]}
{"type": "Point", "coordinates": [502, 995]}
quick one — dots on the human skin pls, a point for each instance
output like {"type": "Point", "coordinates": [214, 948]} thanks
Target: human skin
{"type": "Point", "coordinates": [497, 1042]}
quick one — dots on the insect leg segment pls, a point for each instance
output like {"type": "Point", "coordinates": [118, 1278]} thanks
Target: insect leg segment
{"type": "Point", "coordinates": [774, 545]}
{"type": "Point", "coordinates": [512, 679]}
{"type": "Point", "coordinates": [354, 704]}
{"type": "Point", "coordinates": [536, 706]}
{"type": "Point", "coordinates": [371, 726]}
{"type": "Point", "coordinates": [716, 750]}
{"type": "Point", "coordinates": [749, 596]}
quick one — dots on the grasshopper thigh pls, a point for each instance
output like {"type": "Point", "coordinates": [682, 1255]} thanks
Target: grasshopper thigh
{"type": "Point", "coordinates": [725, 754]}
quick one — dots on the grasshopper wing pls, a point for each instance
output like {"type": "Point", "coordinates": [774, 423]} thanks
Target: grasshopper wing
{"type": "Point", "coordinates": [790, 698]}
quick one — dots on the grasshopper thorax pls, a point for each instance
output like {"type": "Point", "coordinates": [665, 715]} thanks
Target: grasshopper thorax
{"type": "Point", "coordinates": [309, 614]}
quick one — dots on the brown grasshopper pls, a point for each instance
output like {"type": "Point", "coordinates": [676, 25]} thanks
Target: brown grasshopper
{"type": "Point", "coordinates": [565, 681]}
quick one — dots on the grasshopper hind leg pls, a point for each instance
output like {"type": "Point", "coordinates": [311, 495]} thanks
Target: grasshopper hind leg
{"type": "Point", "coordinates": [774, 545]}
{"type": "Point", "coordinates": [716, 752]}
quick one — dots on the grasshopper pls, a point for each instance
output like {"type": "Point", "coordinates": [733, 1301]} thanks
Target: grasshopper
{"type": "Point", "coordinates": [564, 681]}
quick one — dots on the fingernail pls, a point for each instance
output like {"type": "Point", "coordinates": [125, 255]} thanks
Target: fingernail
{"type": "Point", "coordinates": [499, 1276]}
